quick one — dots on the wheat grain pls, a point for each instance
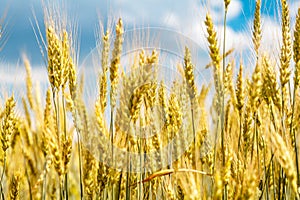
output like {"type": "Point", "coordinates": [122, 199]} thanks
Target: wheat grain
{"type": "Point", "coordinates": [8, 125]}
{"type": "Point", "coordinates": [256, 38]}
{"type": "Point", "coordinates": [296, 49]}
{"type": "Point", "coordinates": [240, 91]}
{"type": "Point", "coordinates": [285, 53]}
{"type": "Point", "coordinates": [226, 2]}
{"type": "Point", "coordinates": [189, 73]}
{"type": "Point", "coordinates": [214, 53]}
{"type": "Point", "coordinates": [284, 157]}
{"type": "Point", "coordinates": [14, 186]}
{"type": "Point", "coordinates": [115, 62]}
{"type": "Point", "coordinates": [28, 82]}
{"type": "Point", "coordinates": [54, 58]}
{"type": "Point", "coordinates": [270, 85]}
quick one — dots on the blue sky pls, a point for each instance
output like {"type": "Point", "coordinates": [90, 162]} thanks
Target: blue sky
{"type": "Point", "coordinates": [181, 16]}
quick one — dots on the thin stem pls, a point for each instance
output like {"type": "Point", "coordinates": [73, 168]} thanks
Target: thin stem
{"type": "Point", "coordinates": [65, 135]}
{"type": "Point", "coordinates": [223, 102]}
{"type": "Point", "coordinates": [255, 136]}
{"type": "Point", "coordinates": [60, 188]}
{"type": "Point", "coordinates": [119, 185]}
{"type": "Point", "coordinates": [78, 130]}
{"type": "Point", "coordinates": [266, 179]}
{"type": "Point", "coordinates": [127, 178]}
{"type": "Point", "coordinates": [2, 175]}
{"type": "Point", "coordinates": [281, 181]}
{"type": "Point", "coordinates": [257, 145]}
{"type": "Point", "coordinates": [56, 107]}
{"type": "Point", "coordinates": [283, 186]}
{"type": "Point", "coordinates": [223, 92]}
{"type": "Point", "coordinates": [240, 132]}
{"type": "Point", "coordinates": [273, 174]}
{"type": "Point", "coordinates": [292, 132]}
{"type": "Point", "coordinates": [111, 130]}
{"type": "Point", "coordinates": [44, 182]}
{"type": "Point", "coordinates": [140, 152]}
{"type": "Point", "coordinates": [239, 140]}
{"type": "Point", "coordinates": [128, 166]}
{"type": "Point", "coordinates": [215, 145]}
{"type": "Point", "coordinates": [28, 181]}
{"type": "Point", "coordinates": [194, 132]}
{"type": "Point", "coordinates": [80, 164]}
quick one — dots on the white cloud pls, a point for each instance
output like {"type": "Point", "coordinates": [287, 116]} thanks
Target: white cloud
{"type": "Point", "coordinates": [191, 23]}
{"type": "Point", "coordinates": [16, 76]}
{"type": "Point", "coordinates": [234, 9]}
{"type": "Point", "coordinates": [271, 35]}
{"type": "Point", "coordinates": [186, 18]}
{"type": "Point", "coordinates": [172, 20]}
{"type": "Point", "coordinates": [137, 11]}
{"type": "Point", "coordinates": [217, 7]}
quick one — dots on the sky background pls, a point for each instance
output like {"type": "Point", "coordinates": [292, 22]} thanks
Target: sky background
{"type": "Point", "coordinates": [179, 17]}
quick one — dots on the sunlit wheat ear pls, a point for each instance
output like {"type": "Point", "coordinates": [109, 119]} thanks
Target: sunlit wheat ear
{"type": "Point", "coordinates": [136, 101]}
{"type": "Point", "coordinates": [189, 73]}
{"type": "Point", "coordinates": [162, 102]}
{"type": "Point", "coordinates": [285, 158]}
{"type": "Point", "coordinates": [256, 87]}
{"type": "Point", "coordinates": [174, 114]}
{"type": "Point", "coordinates": [28, 82]}
{"type": "Point", "coordinates": [240, 90]}
{"type": "Point", "coordinates": [218, 186]}
{"type": "Point", "coordinates": [228, 82]}
{"type": "Point", "coordinates": [57, 158]}
{"type": "Point", "coordinates": [103, 76]}
{"type": "Point", "coordinates": [48, 119]}
{"type": "Point", "coordinates": [153, 59]}
{"type": "Point", "coordinates": [296, 48]}
{"type": "Point", "coordinates": [250, 184]}
{"type": "Point", "coordinates": [8, 125]}
{"type": "Point", "coordinates": [213, 44]}
{"type": "Point", "coordinates": [16, 135]}
{"type": "Point", "coordinates": [162, 98]}
{"type": "Point", "coordinates": [46, 170]}
{"type": "Point", "coordinates": [227, 168]}
{"type": "Point", "coordinates": [105, 51]}
{"type": "Point", "coordinates": [72, 78]}
{"type": "Point", "coordinates": [14, 186]}
{"type": "Point", "coordinates": [203, 123]}
{"type": "Point", "coordinates": [27, 112]}
{"type": "Point", "coordinates": [286, 50]}
{"type": "Point", "coordinates": [54, 58]}
{"type": "Point", "coordinates": [47, 126]}
{"type": "Point", "coordinates": [116, 61]}
{"type": "Point", "coordinates": [102, 176]}
{"type": "Point", "coordinates": [226, 2]}
{"type": "Point", "coordinates": [66, 154]}
{"type": "Point", "coordinates": [214, 54]}
{"type": "Point", "coordinates": [88, 174]}
{"type": "Point", "coordinates": [65, 60]}
{"type": "Point", "coordinates": [270, 84]}
{"type": "Point", "coordinates": [256, 38]}
{"type": "Point", "coordinates": [151, 98]}
{"type": "Point", "coordinates": [100, 116]}
{"type": "Point", "coordinates": [246, 131]}
{"type": "Point", "coordinates": [29, 161]}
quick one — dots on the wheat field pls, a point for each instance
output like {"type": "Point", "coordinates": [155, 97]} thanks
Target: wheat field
{"type": "Point", "coordinates": [146, 137]}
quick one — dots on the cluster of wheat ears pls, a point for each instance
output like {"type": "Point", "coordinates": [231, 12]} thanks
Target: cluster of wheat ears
{"type": "Point", "coordinates": [142, 141]}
